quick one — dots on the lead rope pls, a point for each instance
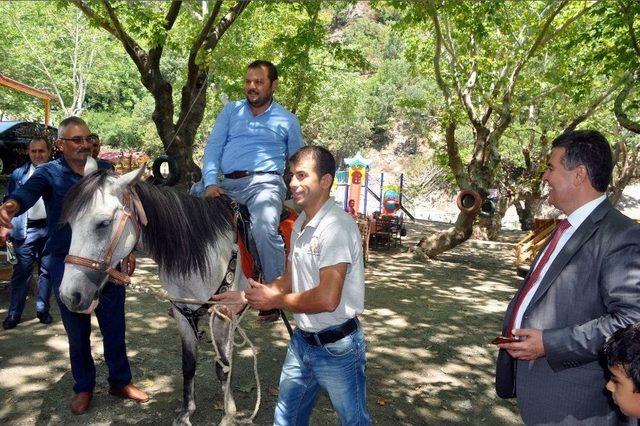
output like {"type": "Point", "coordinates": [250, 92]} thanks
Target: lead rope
{"type": "Point", "coordinates": [234, 327]}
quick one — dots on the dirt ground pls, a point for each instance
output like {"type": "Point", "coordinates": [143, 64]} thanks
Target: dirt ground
{"type": "Point", "coordinates": [427, 328]}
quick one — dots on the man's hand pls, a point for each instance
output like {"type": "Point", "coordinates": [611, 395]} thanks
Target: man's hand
{"type": "Point", "coordinates": [7, 211]}
{"type": "Point", "coordinates": [213, 191]}
{"type": "Point", "coordinates": [531, 347]}
{"type": "Point", "coordinates": [4, 234]}
{"type": "Point", "coordinates": [236, 301]}
{"type": "Point", "coordinates": [129, 264]}
{"type": "Point", "coordinates": [262, 297]}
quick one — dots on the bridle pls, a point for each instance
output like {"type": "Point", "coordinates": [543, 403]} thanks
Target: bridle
{"type": "Point", "coordinates": [131, 211]}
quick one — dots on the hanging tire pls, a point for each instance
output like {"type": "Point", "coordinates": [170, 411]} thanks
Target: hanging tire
{"type": "Point", "coordinates": [468, 201]}
{"type": "Point", "coordinates": [488, 208]}
{"type": "Point", "coordinates": [171, 177]}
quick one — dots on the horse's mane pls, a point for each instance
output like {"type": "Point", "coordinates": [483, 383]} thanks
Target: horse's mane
{"type": "Point", "coordinates": [180, 227]}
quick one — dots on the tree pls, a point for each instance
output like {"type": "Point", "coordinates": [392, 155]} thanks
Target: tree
{"type": "Point", "coordinates": [145, 30]}
{"type": "Point", "coordinates": [481, 50]}
{"type": "Point", "coordinates": [58, 52]}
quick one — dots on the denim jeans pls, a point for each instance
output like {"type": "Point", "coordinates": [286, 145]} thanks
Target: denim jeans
{"type": "Point", "coordinates": [28, 251]}
{"type": "Point", "coordinates": [263, 195]}
{"type": "Point", "coordinates": [337, 367]}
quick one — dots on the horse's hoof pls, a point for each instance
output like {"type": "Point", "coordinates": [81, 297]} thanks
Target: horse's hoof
{"type": "Point", "coordinates": [227, 420]}
{"type": "Point", "coordinates": [182, 420]}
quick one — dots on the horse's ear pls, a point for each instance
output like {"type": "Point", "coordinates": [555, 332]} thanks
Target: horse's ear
{"type": "Point", "coordinates": [90, 166]}
{"type": "Point", "coordinates": [130, 178]}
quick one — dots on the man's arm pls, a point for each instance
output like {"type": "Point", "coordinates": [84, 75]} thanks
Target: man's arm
{"type": "Point", "coordinates": [215, 145]}
{"type": "Point", "coordinates": [573, 346]}
{"type": "Point", "coordinates": [323, 298]}
{"type": "Point", "coordinates": [23, 198]}
{"type": "Point", "coordinates": [294, 138]}
{"type": "Point", "coordinates": [280, 285]}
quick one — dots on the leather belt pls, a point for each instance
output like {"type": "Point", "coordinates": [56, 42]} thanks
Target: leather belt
{"type": "Point", "coordinates": [244, 173]}
{"type": "Point", "coordinates": [331, 335]}
{"type": "Point", "coordinates": [37, 223]}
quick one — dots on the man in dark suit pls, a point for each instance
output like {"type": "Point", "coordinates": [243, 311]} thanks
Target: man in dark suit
{"type": "Point", "coordinates": [28, 235]}
{"type": "Point", "coordinates": [583, 286]}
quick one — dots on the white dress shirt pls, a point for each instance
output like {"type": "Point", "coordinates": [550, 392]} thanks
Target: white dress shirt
{"type": "Point", "coordinates": [575, 220]}
{"type": "Point", "coordinates": [37, 211]}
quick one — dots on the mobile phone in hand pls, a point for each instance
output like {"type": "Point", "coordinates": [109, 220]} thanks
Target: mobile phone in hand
{"type": "Point", "coordinates": [504, 339]}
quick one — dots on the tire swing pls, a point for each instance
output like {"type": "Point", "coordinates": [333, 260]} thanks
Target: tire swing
{"type": "Point", "coordinates": [469, 201]}
{"type": "Point", "coordinates": [167, 175]}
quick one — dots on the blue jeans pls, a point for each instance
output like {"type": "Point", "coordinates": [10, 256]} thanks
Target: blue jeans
{"type": "Point", "coordinates": [110, 314]}
{"type": "Point", "coordinates": [28, 251]}
{"type": "Point", "coordinates": [263, 195]}
{"type": "Point", "coordinates": [337, 367]}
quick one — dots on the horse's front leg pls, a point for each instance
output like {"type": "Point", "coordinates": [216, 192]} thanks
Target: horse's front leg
{"type": "Point", "coordinates": [224, 343]}
{"type": "Point", "coordinates": [189, 356]}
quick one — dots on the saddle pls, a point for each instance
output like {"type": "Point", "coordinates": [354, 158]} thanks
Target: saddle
{"type": "Point", "coordinates": [250, 259]}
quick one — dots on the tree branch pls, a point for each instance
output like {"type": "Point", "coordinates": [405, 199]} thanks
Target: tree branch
{"type": "Point", "coordinates": [172, 15]}
{"type": "Point", "coordinates": [588, 112]}
{"type": "Point", "coordinates": [134, 50]}
{"type": "Point", "coordinates": [618, 109]}
{"type": "Point", "coordinates": [225, 23]}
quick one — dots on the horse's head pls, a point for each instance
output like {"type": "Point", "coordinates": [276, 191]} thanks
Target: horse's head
{"type": "Point", "coordinates": [104, 230]}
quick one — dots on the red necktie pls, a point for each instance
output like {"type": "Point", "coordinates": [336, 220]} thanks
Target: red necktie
{"type": "Point", "coordinates": [536, 272]}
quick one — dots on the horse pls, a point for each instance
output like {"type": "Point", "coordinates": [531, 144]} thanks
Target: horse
{"type": "Point", "coordinates": [192, 239]}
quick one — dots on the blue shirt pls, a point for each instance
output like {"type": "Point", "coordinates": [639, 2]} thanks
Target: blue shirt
{"type": "Point", "coordinates": [240, 141]}
{"type": "Point", "coordinates": [51, 181]}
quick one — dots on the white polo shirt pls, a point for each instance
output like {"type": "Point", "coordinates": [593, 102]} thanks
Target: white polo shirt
{"type": "Point", "coordinates": [331, 237]}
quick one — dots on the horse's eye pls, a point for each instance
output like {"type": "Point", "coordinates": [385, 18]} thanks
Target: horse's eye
{"type": "Point", "coordinates": [104, 224]}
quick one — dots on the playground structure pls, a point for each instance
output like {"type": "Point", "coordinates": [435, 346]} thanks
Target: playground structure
{"type": "Point", "coordinates": [384, 227]}
{"type": "Point", "coordinates": [357, 183]}
{"type": "Point", "coordinates": [23, 88]}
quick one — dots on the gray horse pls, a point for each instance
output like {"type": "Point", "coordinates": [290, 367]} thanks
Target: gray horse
{"type": "Point", "coordinates": [192, 240]}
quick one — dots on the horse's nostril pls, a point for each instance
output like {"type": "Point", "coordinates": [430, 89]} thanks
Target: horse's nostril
{"type": "Point", "coordinates": [75, 298]}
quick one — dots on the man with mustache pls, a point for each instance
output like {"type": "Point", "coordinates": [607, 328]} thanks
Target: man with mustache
{"type": "Point", "coordinates": [52, 181]}
{"type": "Point", "coordinates": [583, 286]}
{"type": "Point", "coordinates": [245, 158]}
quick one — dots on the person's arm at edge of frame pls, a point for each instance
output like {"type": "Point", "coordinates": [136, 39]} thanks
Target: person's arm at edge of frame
{"type": "Point", "coordinates": [323, 298]}
{"type": "Point", "coordinates": [213, 151]}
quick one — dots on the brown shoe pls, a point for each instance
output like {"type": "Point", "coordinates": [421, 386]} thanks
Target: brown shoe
{"type": "Point", "coordinates": [129, 392]}
{"type": "Point", "coordinates": [81, 402]}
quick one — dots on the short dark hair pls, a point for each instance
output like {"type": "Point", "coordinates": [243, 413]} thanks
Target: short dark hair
{"type": "Point", "coordinates": [272, 71]}
{"type": "Point", "coordinates": [591, 149]}
{"type": "Point", "coordinates": [39, 139]}
{"type": "Point", "coordinates": [323, 159]}
{"type": "Point", "coordinates": [73, 120]}
{"type": "Point", "coordinates": [623, 348]}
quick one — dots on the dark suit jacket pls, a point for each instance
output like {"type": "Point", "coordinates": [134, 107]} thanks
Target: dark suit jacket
{"type": "Point", "coordinates": [591, 289]}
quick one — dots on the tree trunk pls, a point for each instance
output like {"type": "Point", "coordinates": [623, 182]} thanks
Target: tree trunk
{"type": "Point", "coordinates": [527, 210]}
{"type": "Point", "coordinates": [445, 240]}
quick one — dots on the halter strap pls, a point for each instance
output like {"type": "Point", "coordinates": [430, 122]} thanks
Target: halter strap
{"type": "Point", "coordinates": [131, 211]}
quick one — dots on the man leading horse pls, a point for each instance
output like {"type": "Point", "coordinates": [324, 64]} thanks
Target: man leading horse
{"type": "Point", "coordinates": [52, 181]}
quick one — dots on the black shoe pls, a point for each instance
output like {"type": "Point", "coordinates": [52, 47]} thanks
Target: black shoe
{"type": "Point", "coordinates": [10, 322]}
{"type": "Point", "coordinates": [265, 317]}
{"type": "Point", "coordinates": [44, 317]}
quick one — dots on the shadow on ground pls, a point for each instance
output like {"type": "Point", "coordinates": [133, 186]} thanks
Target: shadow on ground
{"type": "Point", "coordinates": [427, 326]}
